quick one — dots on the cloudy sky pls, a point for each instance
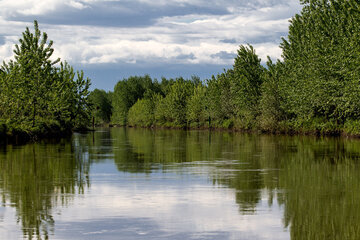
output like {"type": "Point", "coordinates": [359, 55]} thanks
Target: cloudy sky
{"type": "Point", "coordinates": [113, 39]}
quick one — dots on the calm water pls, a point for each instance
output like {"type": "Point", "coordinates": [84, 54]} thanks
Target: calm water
{"type": "Point", "coordinates": [166, 184]}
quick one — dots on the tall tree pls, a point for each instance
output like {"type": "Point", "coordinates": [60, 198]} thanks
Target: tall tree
{"type": "Point", "coordinates": [37, 92]}
{"type": "Point", "coordinates": [321, 57]}
{"type": "Point", "coordinates": [246, 83]}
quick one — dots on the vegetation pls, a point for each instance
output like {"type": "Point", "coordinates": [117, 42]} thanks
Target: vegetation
{"type": "Point", "coordinates": [127, 92]}
{"type": "Point", "coordinates": [101, 106]}
{"type": "Point", "coordinates": [39, 95]}
{"type": "Point", "coordinates": [314, 89]}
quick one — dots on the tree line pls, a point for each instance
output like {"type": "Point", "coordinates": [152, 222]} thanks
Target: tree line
{"type": "Point", "coordinates": [314, 88]}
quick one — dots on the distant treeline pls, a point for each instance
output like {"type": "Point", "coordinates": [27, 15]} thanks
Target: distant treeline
{"type": "Point", "coordinates": [38, 95]}
{"type": "Point", "coordinates": [315, 88]}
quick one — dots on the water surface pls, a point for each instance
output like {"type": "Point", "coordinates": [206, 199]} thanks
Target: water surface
{"type": "Point", "coordinates": [166, 184]}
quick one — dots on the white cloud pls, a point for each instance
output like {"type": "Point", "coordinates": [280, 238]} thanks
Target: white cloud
{"type": "Point", "coordinates": [36, 7]}
{"type": "Point", "coordinates": [6, 52]}
{"type": "Point", "coordinates": [169, 40]}
{"type": "Point", "coordinates": [268, 49]}
{"type": "Point", "coordinates": [77, 5]}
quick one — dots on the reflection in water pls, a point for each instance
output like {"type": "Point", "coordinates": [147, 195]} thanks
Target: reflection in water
{"type": "Point", "coordinates": [182, 184]}
{"type": "Point", "coordinates": [317, 180]}
{"type": "Point", "coordinates": [234, 161]}
{"type": "Point", "coordinates": [36, 177]}
{"type": "Point", "coordinates": [323, 183]}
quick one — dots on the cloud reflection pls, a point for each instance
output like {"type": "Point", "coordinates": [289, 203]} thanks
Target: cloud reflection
{"type": "Point", "coordinates": [167, 207]}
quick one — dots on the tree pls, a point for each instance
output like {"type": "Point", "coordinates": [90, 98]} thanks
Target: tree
{"type": "Point", "coordinates": [245, 84]}
{"type": "Point", "coordinates": [101, 105]}
{"type": "Point", "coordinates": [220, 102]}
{"type": "Point", "coordinates": [142, 113]}
{"type": "Point", "coordinates": [271, 99]}
{"type": "Point", "coordinates": [126, 94]}
{"type": "Point", "coordinates": [172, 108]}
{"type": "Point", "coordinates": [196, 106]}
{"type": "Point", "coordinates": [36, 94]}
{"type": "Point", "coordinates": [321, 57]}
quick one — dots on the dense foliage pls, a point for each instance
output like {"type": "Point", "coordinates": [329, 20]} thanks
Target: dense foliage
{"type": "Point", "coordinates": [127, 92]}
{"type": "Point", "coordinates": [315, 88]}
{"type": "Point", "coordinates": [39, 95]}
{"type": "Point", "coordinates": [320, 87]}
{"type": "Point", "coordinates": [101, 106]}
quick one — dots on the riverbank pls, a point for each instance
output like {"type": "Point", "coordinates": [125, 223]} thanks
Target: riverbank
{"type": "Point", "coordinates": [21, 136]}
{"type": "Point", "coordinates": [18, 136]}
{"type": "Point", "coordinates": [349, 131]}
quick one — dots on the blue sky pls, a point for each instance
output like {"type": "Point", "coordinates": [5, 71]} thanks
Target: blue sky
{"type": "Point", "coordinates": [113, 39]}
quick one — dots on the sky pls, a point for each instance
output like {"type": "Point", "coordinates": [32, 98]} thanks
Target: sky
{"type": "Point", "coordinates": [114, 39]}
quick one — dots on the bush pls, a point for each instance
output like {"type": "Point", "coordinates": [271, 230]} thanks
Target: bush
{"type": "Point", "coordinates": [142, 113]}
{"type": "Point", "coordinates": [352, 127]}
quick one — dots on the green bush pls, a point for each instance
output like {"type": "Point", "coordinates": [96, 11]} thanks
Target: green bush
{"type": "Point", "coordinates": [142, 113]}
{"type": "Point", "coordinates": [228, 123]}
{"type": "Point", "coordinates": [196, 113]}
{"type": "Point", "coordinates": [352, 127]}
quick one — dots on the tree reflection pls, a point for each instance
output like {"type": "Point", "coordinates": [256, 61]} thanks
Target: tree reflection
{"type": "Point", "coordinates": [316, 180]}
{"type": "Point", "coordinates": [323, 182]}
{"type": "Point", "coordinates": [37, 177]}
{"type": "Point", "coordinates": [142, 151]}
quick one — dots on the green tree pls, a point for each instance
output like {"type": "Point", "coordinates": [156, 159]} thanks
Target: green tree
{"type": "Point", "coordinates": [101, 105]}
{"type": "Point", "coordinates": [196, 109]}
{"type": "Point", "coordinates": [33, 71]}
{"type": "Point", "coordinates": [36, 95]}
{"type": "Point", "coordinates": [127, 92]}
{"type": "Point", "coordinates": [172, 108]}
{"type": "Point", "coordinates": [321, 57]}
{"type": "Point", "coordinates": [220, 103]}
{"type": "Point", "coordinates": [245, 84]}
{"type": "Point", "coordinates": [142, 113]}
{"type": "Point", "coordinates": [271, 99]}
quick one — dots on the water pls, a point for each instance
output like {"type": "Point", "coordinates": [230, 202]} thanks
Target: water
{"type": "Point", "coordinates": [167, 184]}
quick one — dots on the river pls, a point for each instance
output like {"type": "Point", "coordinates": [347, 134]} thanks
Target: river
{"type": "Point", "coordinates": [121, 183]}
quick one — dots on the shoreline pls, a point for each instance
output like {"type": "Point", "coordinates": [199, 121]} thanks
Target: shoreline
{"type": "Point", "coordinates": [22, 137]}
{"type": "Point", "coordinates": [315, 133]}
{"type": "Point", "coordinates": [19, 138]}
